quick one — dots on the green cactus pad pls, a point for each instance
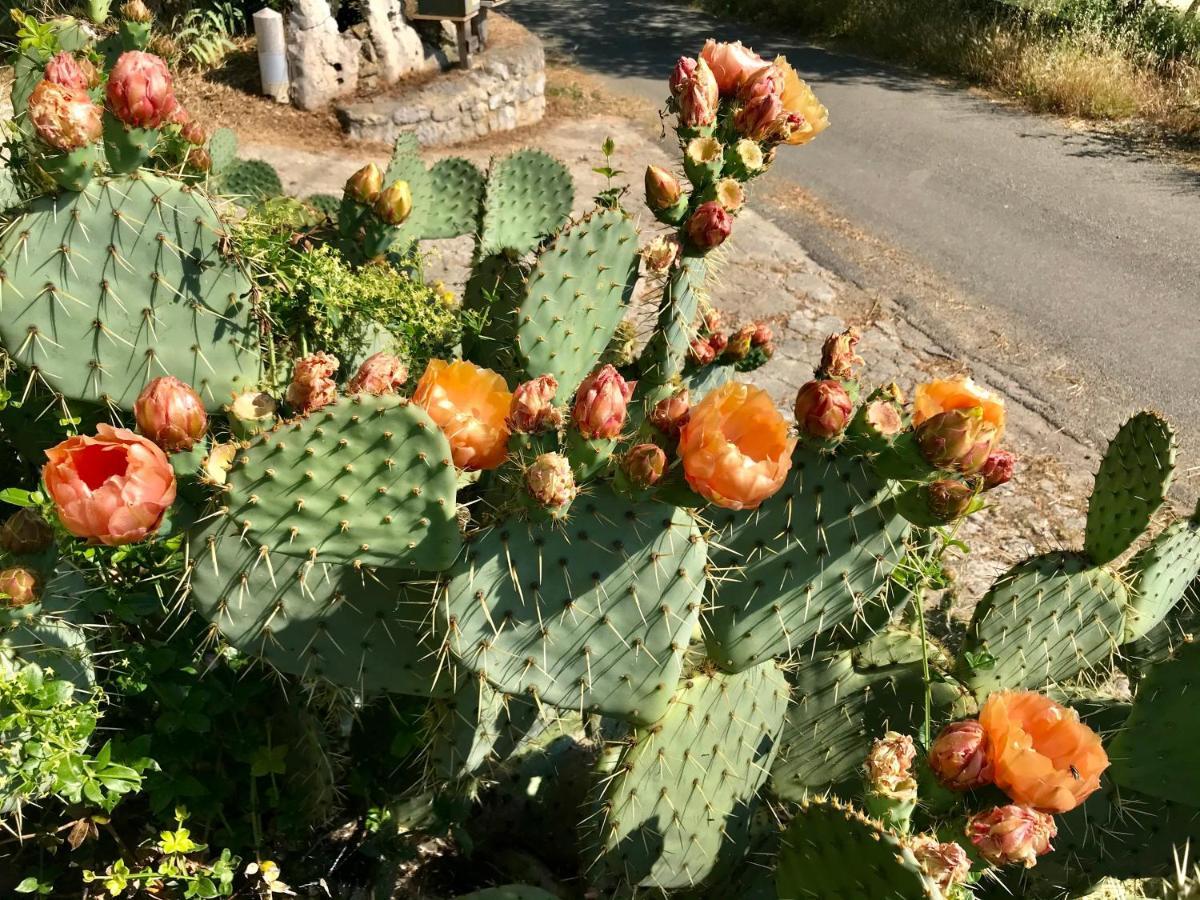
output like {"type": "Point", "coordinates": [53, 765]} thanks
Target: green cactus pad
{"type": "Point", "coordinates": [358, 628]}
{"type": "Point", "coordinates": [458, 199]}
{"type": "Point", "coordinates": [509, 892]}
{"type": "Point", "coordinates": [576, 297]}
{"type": "Point", "coordinates": [367, 480]}
{"type": "Point", "coordinates": [838, 709]}
{"type": "Point", "coordinates": [1046, 619]}
{"type": "Point", "coordinates": [251, 179]}
{"type": "Point", "coordinates": [490, 300]}
{"type": "Point", "coordinates": [835, 853]}
{"type": "Point", "coordinates": [104, 290]}
{"type": "Point", "coordinates": [406, 165]}
{"type": "Point", "coordinates": [11, 193]}
{"type": "Point", "coordinates": [1162, 573]}
{"type": "Point", "coordinates": [805, 562]}
{"type": "Point", "coordinates": [326, 204]}
{"type": "Point", "coordinates": [54, 644]}
{"type": "Point", "coordinates": [680, 798]}
{"type": "Point", "coordinates": [666, 353]}
{"type": "Point", "coordinates": [593, 614]}
{"type": "Point", "coordinates": [1155, 753]}
{"type": "Point", "coordinates": [701, 381]}
{"type": "Point", "coordinates": [63, 593]}
{"type": "Point", "coordinates": [1130, 486]}
{"type": "Point", "coordinates": [529, 196]}
{"type": "Point", "coordinates": [222, 149]}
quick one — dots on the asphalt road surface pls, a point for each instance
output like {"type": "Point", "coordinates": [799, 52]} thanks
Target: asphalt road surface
{"type": "Point", "coordinates": [1072, 260]}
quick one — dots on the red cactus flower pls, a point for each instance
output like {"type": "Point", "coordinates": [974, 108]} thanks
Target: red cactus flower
{"type": "Point", "coordinates": [140, 91]}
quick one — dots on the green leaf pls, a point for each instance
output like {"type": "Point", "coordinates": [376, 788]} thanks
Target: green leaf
{"type": "Point", "coordinates": [17, 497]}
{"type": "Point", "coordinates": [28, 886]}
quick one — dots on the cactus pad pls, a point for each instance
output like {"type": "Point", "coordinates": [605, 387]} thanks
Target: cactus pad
{"type": "Point", "coordinates": [804, 562]}
{"type": "Point", "coordinates": [1130, 486]}
{"type": "Point", "coordinates": [1046, 619]}
{"type": "Point", "coordinates": [104, 290]}
{"type": "Point", "coordinates": [593, 614]}
{"type": "Point", "coordinates": [529, 196]}
{"type": "Point", "coordinates": [509, 892]}
{"type": "Point", "coordinates": [367, 480]}
{"type": "Point", "coordinates": [54, 644]}
{"type": "Point", "coordinates": [359, 628]}
{"type": "Point", "coordinates": [576, 297]}
{"type": "Point", "coordinates": [251, 179]}
{"type": "Point", "coordinates": [835, 853]}
{"type": "Point", "coordinates": [406, 165]}
{"type": "Point", "coordinates": [222, 149]}
{"type": "Point", "coordinates": [326, 204]}
{"type": "Point", "coordinates": [667, 350]}
{"type": "Point", "coordinates": [480, 724]}
{"type": "Point", "coordinates": [457, 199]}
{"type": "Point", "coordinates": [490, 301]}
{"type": "Point", "coordinates": [683, 790]}
{"type": "Point", "coordinates": [1162, 572]}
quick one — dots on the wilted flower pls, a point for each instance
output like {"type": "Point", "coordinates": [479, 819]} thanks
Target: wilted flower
{"type": "Point", "coordinates": [698, 101]}
{"type": "Point", "coordinates": [193, 132]}
{"type": "Point", "coordinates": [764, 81]}
{"type": "Point", "coordinates": [761, 119]}
{"type": "Point", "coordinates": [889, 766]}
{"type": "Point", "coordinates": [959, 756]}
{"type": "Point", "coordinates": [254, 410]}
{"type": "Point", "coordinates": [947, 864]}
{"type": "Point", "coordinates": [956, 439]}
{"type": "Point", "coordinates": [823, 409]}
{"type": "Point", "coordinates": [882, 418]}
{"type": "Point", "coordinates": [19, 587]}
{"type": "Point", "coordinates": [735, 447]}
{"type": "Point", "coordinates": [135, 11]}
{"type": "Point", "coordinates": [762, 334]}
{"type": "Point", "coordinates": [731, 64]}
{"type": "Point", "coordinates": [681, 75]}
{"type": "Point", "coordinates": [600, 404]}
{"type": "Point", "coordinates": [64, 69]}
{"type": "Point", "coordinates": [962, 393]}
{"type": "Point", "coordinates": [394, 204]}
{"type": "Point", "coordinates": [366, 184]}
{"type": "Point", "coordinates": [730, 194]}
{"type": "Point", "coordinates": [1043, 756]}
{"type": "Point", "coordinates": [1012, 834]}
{"type": "Point", "coordinates": [663, 189]}
{"type": "Point", "coordinates": [550, 482]}
{"type": "Point", "coordinates": [65, 118]}
{"type": "Point", "coordinates": [713, 320]}
{"type": "Point", "coordinates": [470, 404]}
{"type": "Point", "coordinates": [718, 340]}
{"type": "Point", "coordinates": [140, 92]}
{"type": "Point", "coordinates": [217, 464]}
{"type": "Point", "coordinates": [171, 414]}
{"type": "Point", "coordinates": [670, 414]}
{"type": "Point", "coordinates": [25, 531]}
{"type": "Point", "coordinates": [199, 160]}
{"type": "Point", "coordinates": [739, 345]}
{"type": "Point", "coordinates": [839, 356]}
{"type": "Point", "coordinates": [112, 488]}
{"type": "Point", "coordinates": [703, 157]}
{"type": "Point", "coordinates": [799, 100]}
{"type": "Point", "coordinates": [709, 225]}
{"type": "Point", "coordinates": [312, 382]}
{"type": "Point", "coordinates": [660, 254]}
{"type": "Point", "coordinates": [532, 408]}
{"type": "Point", "coordinates": [948, 500]}
{"type": "Point", "coordinates": [997, 469]}
{"type": "Point", "coordinates": [644, 464]}
{"type": "Point", "coordinates": [380, 373]}
{"type": "Point", "coordinates": [701, 352]}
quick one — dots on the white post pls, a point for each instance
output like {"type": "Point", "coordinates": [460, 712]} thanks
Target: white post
{"type": "Point", "coordinates": [272, 58]}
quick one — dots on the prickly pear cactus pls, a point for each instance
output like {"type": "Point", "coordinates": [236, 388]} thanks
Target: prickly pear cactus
{"type": "Point", "coordinates": [681, 795]}
{"type": "Point", "coordinates": [1162, 573]}
{"type": "Point", "coordinates": [365, 481]}
{"type": "Point", "coordinates": [251, 179]}
{"type": "Point", "coordinates": [529, 195]}
{"type": "Point", "coordinates": [222, 149]}
{"type": "Point", "coordinates": [667, 350]}
{"type": "Point", "coordinates": [591, 616]}
{"type": "Point", "coordinates": [102, 291]}
{"type": "Point", "coordinates": [832, 851]}
{"type": "Point", "coordinates": [458, 187]}
{"type": "Point", "coordinates": [509, 892]}
{"type": "Point", "coordinates": [806, 561]}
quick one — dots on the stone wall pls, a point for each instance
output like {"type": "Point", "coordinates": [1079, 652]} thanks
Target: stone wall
{"type": "Point", "coordinates": [505, 89]}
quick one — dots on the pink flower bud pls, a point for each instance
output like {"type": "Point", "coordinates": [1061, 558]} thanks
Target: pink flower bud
{"type": "Point", "coordinates": [699, 99]}
{"type": "Point", "coordinates": [193, 132]}
{"type": "Point", "coordinates": [550, 482]}
{"type": "Point", "coordinates": [1012, 834]}
{"type": "Point", "coordinates": [662, 188]}
{"type": "Point", "coordinates": [366, 184]}
{"type": "Point", "coordinates": [65, 118]}
{"type": "Point", "coordinates": [889, 766]}
{"type": "Point", "coordinates": [312, 383]}
{"type": "Point", "coordinates": [25, 531]}
{"type": "Point", "coordinates": [532, 409]}
{"type": "Point", "coordinates": [701, 352]}
{"type": "Point", "coordinates": [682, 75]}
{"type": "Point", "coordinates": [838, 355]}
{"type": "Point", "coordinates": [762, 334]}
{"type": "Point", "coordinates": [380, 373]}
{"type": "Point", "coordinates": [171, 414]}
{"type": "Point", "coordinates": [140, 92]}
{"type": "Point", "coordinates": [959, 757]}
{"type": "Point", "coordinates": [957, 439]}
{"type": "Point", "coordinates": [645, 464]}
{"type": "Point", "coordinates": [761, 119]}
{"type": "Point", "coordinates": [65, 70]}
{"type": "Point", "coordinates": [600, 404]}
{"type": "Point", "coordinates": [997, 469]}
{"type": "Point", "coordinates": [671, 413]}
{"type": "Point", "coordinates": [718, 340]}
{"type": "Point", "coordinates": [394, 204]}
{"type": "Point", "coordinates": [19, 587]}
{"type": "Point", "coordinates": [823, 409]}
{"type": "Point", "coordinates": [740, 344]}
{"type": "Point", "coordinates": [709, 226]}
{"type": "Point", "coordinates": [946, 864]}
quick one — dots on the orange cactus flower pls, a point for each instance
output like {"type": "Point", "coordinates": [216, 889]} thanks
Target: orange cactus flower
{"type": "Point", "coordinates": [470, 405]}
{"type": "Point", "coordinates": [1042, 755]}
{"type": "Point", "coordinates": [799, 98]}
{"type": "Point", "coordinates": [946, 394]}
{"type": "Point", "coordinates": [735, 447]}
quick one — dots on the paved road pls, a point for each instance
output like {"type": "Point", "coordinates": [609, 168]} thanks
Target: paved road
{"type": "Point", "coordinates": [1076, 259]}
